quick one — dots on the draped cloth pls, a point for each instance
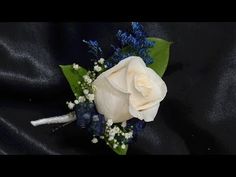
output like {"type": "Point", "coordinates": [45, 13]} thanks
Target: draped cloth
{"type": "Point", "coordinates": [198, 115]}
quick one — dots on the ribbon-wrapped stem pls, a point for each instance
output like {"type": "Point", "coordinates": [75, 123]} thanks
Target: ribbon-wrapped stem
{"type": "Point", "coordinates": [55, 120]}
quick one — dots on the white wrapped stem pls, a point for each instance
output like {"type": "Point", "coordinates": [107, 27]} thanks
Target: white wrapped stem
{"type": "Point", "coordinates": [55, 120]}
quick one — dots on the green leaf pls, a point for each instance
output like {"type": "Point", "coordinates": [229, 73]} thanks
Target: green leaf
{"type": "Point", "coordinates": [160, 54]}
{"type": "Point", "coordinates": [73, 76]}
{"type": "Point", "coordinates": [121, 151]}
{"type": "Point", "coordinates": [118, 149]}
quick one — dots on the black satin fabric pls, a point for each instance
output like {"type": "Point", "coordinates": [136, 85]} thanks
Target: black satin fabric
{"type": "Point", "coordinates": [198, 115]}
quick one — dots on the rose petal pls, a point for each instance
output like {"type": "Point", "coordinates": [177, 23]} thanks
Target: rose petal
{"type": "Point", "coordinates": [112, 103]}
{"type": "Point", "coordinates": [117, 75]}
{"type": "Point", "coordinates": [160, 86]}
{"type": "Point", "coordinates": [149, 115]}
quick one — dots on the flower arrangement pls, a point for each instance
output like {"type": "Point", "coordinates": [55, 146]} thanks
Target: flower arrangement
{"type": "Point", "coordinates": [115, 100]}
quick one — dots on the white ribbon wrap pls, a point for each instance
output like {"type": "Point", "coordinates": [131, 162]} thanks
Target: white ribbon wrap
{"type": "Point", "coordinates": [55, 120]}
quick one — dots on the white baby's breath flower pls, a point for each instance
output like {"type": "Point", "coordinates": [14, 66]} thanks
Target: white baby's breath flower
{"type": "Point", "coordinates": [93, 88]}
{"type": "Point", "coordinates": [85, 91]}
{"type": "Point", "coordinates": [76, 101]}
{"type": "Point", "coordinates": [128, 135]}
{"type": "Point", "coordinates": [109, 122]}
{"type": "Point", "coordinates": [113, 131]}
{"type": "Point", "coordinates": [75, 66]}
{"type": "Point", "coordinates": [86, 76]}
{"type": "Point", "coordinates": [101, 61]}
{"type": "Point", "coordinates": [87, 79]}
{"type": "Point", "coordinates": [94, 140]}
{"type": "Point", "coordinates": [81, 99]}
{"type": "Point", "coordinates": [123, 124]}
{"type": "Point", "coordinates": [90, 97]}
{"type": "Point", "coordinates": [70, 105]}
{"type": "Point", "coordinates": [97, 68]}
{"type": "Point", "coordinates": [116, 129]}
{"type": "Point", "coordinates": [111, 138]}
{"type": "Point", "coordinates": [123, 146]}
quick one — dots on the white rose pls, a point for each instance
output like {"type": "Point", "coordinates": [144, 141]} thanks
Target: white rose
{"type": "Point", "coordinates": [129, 89]}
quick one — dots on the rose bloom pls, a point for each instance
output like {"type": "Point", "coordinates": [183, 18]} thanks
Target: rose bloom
{"type": "Point", "coordinates": [129, 89]}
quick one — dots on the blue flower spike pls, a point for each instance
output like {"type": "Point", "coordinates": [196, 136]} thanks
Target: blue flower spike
{"type": "Point", "coordinates": [94, 48]}
{"type": "Point", "coordinates": [136, 42]}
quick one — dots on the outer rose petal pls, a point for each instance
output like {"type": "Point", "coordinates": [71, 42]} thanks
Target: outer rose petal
{"type": "Point", "coordinates": [160, 86]}
{"type": "Point", "coordinates": [110, 102]}
{"type": "Point", "coordinates": [149, 115]}
{"type": "Point", "coordinates": [117, 75]}
{"type": "Point", "coordinates": [146, 108]}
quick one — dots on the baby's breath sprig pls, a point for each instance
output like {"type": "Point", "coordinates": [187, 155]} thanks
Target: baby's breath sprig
{"type": "Point", "coordinates": [76, 66]}
{"type": "Point", "coordinates": [86, 86]}
{"type": "Point", "coordinates": [117, 135]}
{"type": "Point", "coordinates": [86, 83]}
{"type": "Point", "coordinates": [99, 66]}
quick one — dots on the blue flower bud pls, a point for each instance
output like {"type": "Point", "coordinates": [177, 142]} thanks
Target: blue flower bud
{"type": "Point", "coordinates": [97, 125]}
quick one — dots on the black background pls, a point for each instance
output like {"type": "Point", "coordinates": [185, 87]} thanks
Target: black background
{"type": "Point", "coordinates": [196, 117]}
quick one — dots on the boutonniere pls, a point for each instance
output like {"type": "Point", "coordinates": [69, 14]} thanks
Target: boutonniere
{"type": "Point", "coordinates": [115, 99]}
